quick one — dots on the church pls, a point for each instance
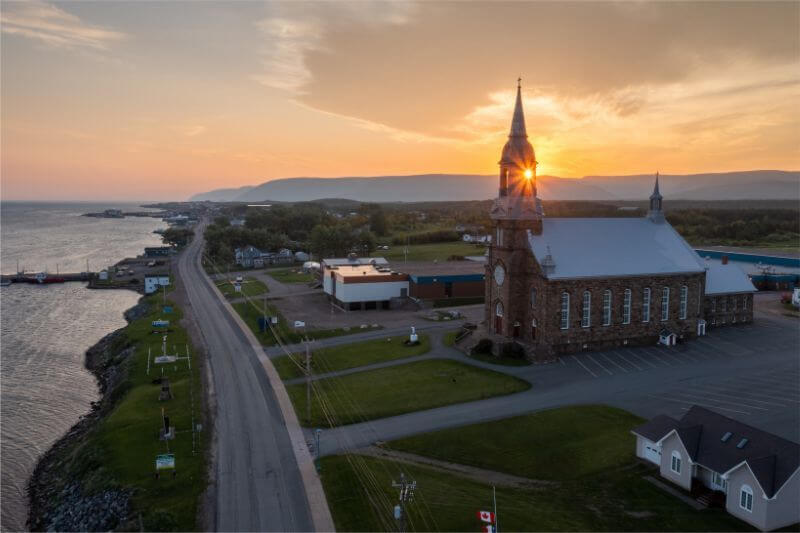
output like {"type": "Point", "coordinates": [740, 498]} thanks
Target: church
{"type": "Point", "coordinates": [561, 285]}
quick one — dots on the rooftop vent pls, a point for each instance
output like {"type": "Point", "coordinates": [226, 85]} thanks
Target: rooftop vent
{"type": "Point", "coordinates": [727, 436]}
{"type": "Point", "coordinates": [742, 443]}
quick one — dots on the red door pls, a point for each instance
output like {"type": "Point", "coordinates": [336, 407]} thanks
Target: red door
{"type": "Point", "coordinates": [498, 325]}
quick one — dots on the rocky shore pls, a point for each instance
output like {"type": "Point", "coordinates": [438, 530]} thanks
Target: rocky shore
{"type": "Point", "coordinates": [70, 489]}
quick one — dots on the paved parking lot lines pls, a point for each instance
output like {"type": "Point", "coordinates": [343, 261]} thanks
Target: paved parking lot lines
{"type": "Point", "coordinates": [726, 351]}
{"type": "Point", "coordinates": [755, 394]}
{"type": "Point", "coordinates": [642, 359]}
{"type": "Point", "coordinates": [725, 402]}
{"type": "Point", "coordinates": [697, 403]}
{"type": "Point", "coordinates": [655, 356]}
{"type": "Point", "coordinates": [708, 392]}
{"type": "Point", "coordinates": [637, 367]}
{"type": "Point", "coordinates": [662, 355]}
{"type": "Point", "coordinates": [771, 383]}
{"type": "Point", "coordinates": [584, 366]}
{"type": "Point", "coordinates": [607, 358]}
{"type": "Point", "coordinates": [609, 372]}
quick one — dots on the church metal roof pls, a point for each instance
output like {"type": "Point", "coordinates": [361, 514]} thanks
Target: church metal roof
{"type": "Point", "coordinates": [726, 279]}
{"type": "Point", "coordinates": [609, 247]}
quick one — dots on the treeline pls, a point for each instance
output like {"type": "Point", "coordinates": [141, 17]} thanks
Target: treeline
{"type": "Point", "coordinates": [742, 227]}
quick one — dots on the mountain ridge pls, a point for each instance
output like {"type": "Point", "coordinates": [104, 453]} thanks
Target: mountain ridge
{"type": "Point", "coordinates": [741, 185]}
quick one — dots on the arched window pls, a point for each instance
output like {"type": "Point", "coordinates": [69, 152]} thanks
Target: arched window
{"type": "Point", "coordinates": [498, 318]}
{"type": "Point", "coordinates": [746, 498]}
{"type": "Point", "coordinates": [503, 181]}
{"type": "Point", "coordinates": [533, 329]}
{"type": "Point", "coordinates": [607, 307]}
{"type": "Point", "coordinates": [564, 310]}
{"type": "Point", "coordinates": [646, 305]}
{"type": "Point", "coordinates": [586, 317]}
{"type": "Point", "coordinates": [626, 307]}
{"type": "Point", "coordinates": [665, 304]}
{"type": "Point", "coordinates": [684, 300]}
{"type": "Point", "coordinates": [675, 465]}
{"type": "Point", "coordinates": [499, 236]}
{"type": "Point", "coordinates": [533, 297]}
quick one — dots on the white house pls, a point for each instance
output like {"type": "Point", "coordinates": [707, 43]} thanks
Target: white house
{"type": "Point", "coordinates": [756, 474]}
{"type": "Point", "coordinates": [153, 283]}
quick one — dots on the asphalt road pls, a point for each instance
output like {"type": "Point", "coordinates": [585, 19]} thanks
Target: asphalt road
{"type": "Point", "coordinates": [750, 373]}
{"type": "Point", "coordinates": [258, 482]}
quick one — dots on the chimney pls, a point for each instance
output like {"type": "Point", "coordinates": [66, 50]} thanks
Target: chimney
{"type": "Point", "coordinates": [724, 259]}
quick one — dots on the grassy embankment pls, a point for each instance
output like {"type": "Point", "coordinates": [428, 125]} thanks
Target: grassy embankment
{"type": "Point", "coordinates": [122, 450]}
{"type": "Point", "coordinates": [399, 389]}
{"type": "Point", "coordinates": [250, 313]}
{"type": "Point", "coordinates": [291, 275]}
{"type": "Point", "coordinates": [438, 251]}
{"type": "Point", "coordinates": [582, 456]}
{"type": "Point", "coordinates": [250, 287]}
{"type": "Point", "coordinates": [351, 356]}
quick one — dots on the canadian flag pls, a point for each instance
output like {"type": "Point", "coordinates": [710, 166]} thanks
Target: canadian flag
{"type": "Point", "coordinates": [486, 516]}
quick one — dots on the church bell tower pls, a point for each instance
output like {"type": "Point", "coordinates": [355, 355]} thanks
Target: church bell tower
{"type": "Point", "coordinates": [517, 211]}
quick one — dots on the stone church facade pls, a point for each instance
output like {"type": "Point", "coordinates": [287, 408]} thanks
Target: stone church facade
{"type": "Point", "coordinates": [559, 286]}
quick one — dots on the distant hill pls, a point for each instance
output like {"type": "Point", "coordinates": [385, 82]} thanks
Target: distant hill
{"type": "Point", "coordinates": [756, 184]}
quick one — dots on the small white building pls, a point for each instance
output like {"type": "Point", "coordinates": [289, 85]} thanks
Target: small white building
{"type": "Point", "coordinates": [362, 283]}
{"type": "Point", "coordinates": [153, 283]}
{"type": "Point", "coordinates": [103, 275]}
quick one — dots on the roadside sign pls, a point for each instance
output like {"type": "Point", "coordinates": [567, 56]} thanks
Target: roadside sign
{"type": "Point", "coordinates": [165, 461]}
{"type": "Point", "coordinates": [165, 359]}
{"type": "Point", "coordinates": [237, 287]}
{"type": "Point", "coordinates": [160, 323]}
{"type": "Point", "coordinates": [167, 309]}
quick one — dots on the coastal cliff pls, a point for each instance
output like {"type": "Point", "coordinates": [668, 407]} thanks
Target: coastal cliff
{"type": "Point", "coordinates": [70, 490]}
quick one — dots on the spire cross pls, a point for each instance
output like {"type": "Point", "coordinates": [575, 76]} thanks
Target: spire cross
{"type": "Point", "coordinates": [519, 83]}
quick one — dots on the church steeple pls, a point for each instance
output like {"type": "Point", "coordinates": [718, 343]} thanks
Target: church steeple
{"type": "Point", "coordinates": [518, 121]}
{"type": "Point", "coordinates": [656, 214]}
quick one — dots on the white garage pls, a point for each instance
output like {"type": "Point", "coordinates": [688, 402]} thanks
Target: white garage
{"type": "Point", "coordinates": [649, 450]}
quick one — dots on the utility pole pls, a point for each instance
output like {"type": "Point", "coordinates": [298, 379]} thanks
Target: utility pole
{"type": "Point", "coordinates": [308, 382]}
{"type": "Point", "coordinates": [494, 501]}
{"type": "Point", "coordinates": [406, 495]}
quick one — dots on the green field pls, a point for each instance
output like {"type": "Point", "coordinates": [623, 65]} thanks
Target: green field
{"type": "Point", "coordinates": [122, 450]}
{"type": "Point", "coordinates": [291, 275]}
{"type": "Point", "coordinates": [250, 287]}
{"type": "Point", "coordinates": [602, 490]}
{"type": "Point", "coordinates": [288, 334]}
{"type": "Point", "coordinates": [351, 356]}
{"type": "Point", "coordinates": [399, 389]}
{"type": "Point", "coordinates": [439, 251]}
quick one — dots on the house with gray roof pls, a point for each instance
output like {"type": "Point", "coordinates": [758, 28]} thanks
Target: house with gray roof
{"type": "Point", "coordinates": [756, 474]}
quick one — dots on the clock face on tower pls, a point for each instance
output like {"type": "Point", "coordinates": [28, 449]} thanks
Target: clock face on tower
{"type": "Point", "coordinates": [499, 275]}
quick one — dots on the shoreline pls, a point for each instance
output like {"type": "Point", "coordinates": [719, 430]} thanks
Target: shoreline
{"type": "Point", "coordinates": [54, 500]}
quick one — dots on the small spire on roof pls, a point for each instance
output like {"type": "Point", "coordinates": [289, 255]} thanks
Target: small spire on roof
{"type": "Point", "coordinates": [656, 214]}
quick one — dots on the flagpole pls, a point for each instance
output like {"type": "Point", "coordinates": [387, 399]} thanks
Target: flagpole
{"type": "Point", "coordinates": [496, 521]}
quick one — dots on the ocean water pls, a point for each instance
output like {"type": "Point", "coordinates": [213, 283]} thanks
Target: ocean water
{"type": "Point", "coordinates": [45, 330]}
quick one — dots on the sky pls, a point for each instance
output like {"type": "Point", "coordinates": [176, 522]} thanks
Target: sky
{"type": "Point", "coordinates": [116, 100]}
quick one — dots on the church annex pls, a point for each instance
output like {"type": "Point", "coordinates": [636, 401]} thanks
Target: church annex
{"type": "Point", "coordinates": [561, 285]}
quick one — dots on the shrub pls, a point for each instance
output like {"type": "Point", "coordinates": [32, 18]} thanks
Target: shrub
{"type": "Point", "coordinates": [512, 350]}
{"type": "Point", "coordinates": [484, 347]}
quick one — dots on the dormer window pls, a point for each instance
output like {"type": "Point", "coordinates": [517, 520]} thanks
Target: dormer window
{"type": "Point", "coordinates": [727, 436]}
{"type": "Point", "coordinates": [742, 443]}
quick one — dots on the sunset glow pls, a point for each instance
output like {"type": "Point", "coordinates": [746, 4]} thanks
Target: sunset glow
{"type": "Point", "coordinates": [151, 100]}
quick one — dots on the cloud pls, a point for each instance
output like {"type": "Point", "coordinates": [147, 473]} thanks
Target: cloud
{"type": "Point", "coordinates": [292, 30]}
{"type": "Point", "coordinates": [53, 26]}
{"type": "Point", "coordinates": [194, 131]}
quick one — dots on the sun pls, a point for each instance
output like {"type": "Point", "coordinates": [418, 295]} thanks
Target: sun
{"type": "Point", "coordinates": [528, 173]}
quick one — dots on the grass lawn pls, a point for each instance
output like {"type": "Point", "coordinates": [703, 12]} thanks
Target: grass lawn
{"type": "Point", "coordinates": [449, 338]}
{"type": "Point", "coordinates": [400, 389]}
{"type": "Point", "coordinates": [291, 275]}
{"type": "Point", "coordinates": [587, 450]}
{"type": "Point", "coordinates": [352, 355]}
{"type": "Point", "coordinates": [122, 450]}
{"type": "Point", "coordinates": [439, 251]}
{"type": "Point", "coordinates": [250, 287]}
{"type": "Point", "coordinates": [287, 333]}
